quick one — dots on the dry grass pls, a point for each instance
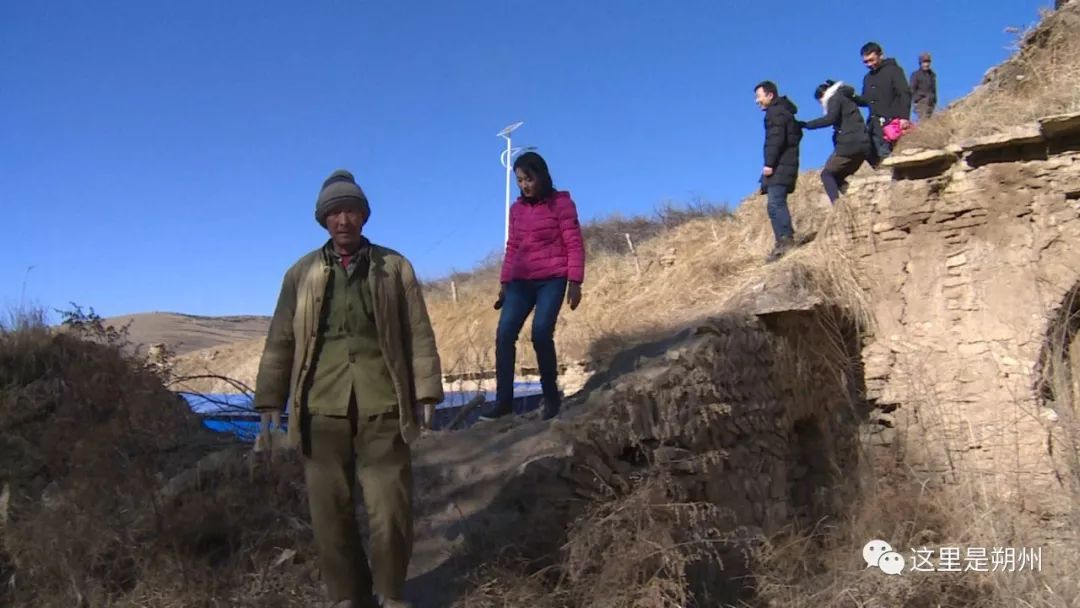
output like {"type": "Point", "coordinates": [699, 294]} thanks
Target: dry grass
{"type": "Point", "coordinates": [660, 544]}
{"type": "Point", "coordinates": [88, 435]}
{"type": "Point", "coordinates": [643, 550]}
{"type": "Point", "coordinates": [1041, 79]}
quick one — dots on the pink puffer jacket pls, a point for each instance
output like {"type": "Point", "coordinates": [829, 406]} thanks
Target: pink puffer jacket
{"type": "Point", "coordinates": [545, 241]}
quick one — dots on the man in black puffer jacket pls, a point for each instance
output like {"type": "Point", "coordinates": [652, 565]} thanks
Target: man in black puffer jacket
{"type": "Point", "coordinates": [781, 170]}
{"type": "Point", "coordinates": [851, 144]}
{"type": "Point", "coordinates": [886, 92]}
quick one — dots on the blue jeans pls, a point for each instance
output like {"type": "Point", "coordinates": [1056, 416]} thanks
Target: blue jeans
{"type": "Point", "coordinates": [520, 299]}
{"type": "Point", "coordinates": [779, 216]}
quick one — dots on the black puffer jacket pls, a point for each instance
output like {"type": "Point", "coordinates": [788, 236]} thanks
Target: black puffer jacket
{"type": "Point", "coordinates": [782, 137]}
{"type": "Point", "coordinates": [841, 112]}
{"type": "Point", "coordinates": [885, 91]}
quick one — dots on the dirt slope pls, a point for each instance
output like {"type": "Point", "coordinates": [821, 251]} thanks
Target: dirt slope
{"type": "Point", "coordinates": [186, 333]}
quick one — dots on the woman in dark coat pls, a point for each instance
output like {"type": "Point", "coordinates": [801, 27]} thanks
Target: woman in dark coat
{"type": "Point", "coordinates": [851, 142]}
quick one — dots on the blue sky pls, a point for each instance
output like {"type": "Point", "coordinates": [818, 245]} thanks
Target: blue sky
{"type": "Point", "coordinates": [166, 155]}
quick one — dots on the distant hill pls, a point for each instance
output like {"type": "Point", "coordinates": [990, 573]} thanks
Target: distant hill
{"type": "Point", "coordinates": [187, 333]}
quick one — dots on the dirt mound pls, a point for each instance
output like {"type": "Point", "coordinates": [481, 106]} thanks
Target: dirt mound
{"type": "Point", "coordinates": [186, 333]}
{"type": "Point", "coordinates": [680, 465]}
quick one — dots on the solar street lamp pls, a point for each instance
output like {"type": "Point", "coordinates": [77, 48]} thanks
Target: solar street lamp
{"type": "Point", "coordinates": [506, 158]}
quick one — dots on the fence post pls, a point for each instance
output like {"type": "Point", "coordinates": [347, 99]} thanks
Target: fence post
{"type": "Point", "coordinates": [633, 252]}
{"type": "Point", "coordinates": [453, 291]}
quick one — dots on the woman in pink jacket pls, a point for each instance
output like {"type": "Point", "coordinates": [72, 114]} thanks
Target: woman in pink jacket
{"type": "Point", "coordinates": [544, 263]}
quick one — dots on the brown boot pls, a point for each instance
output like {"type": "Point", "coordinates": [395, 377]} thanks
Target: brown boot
{"type": "Point", "coordinates": [782, 247]}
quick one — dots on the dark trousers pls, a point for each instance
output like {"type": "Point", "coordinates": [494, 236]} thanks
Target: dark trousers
{"type": "Point", "coordinates": [521, 297]}
{"type": "Point", "coordinates": [880, 149]}
{"type": "Point", "coordinates": [779, 215]}
{"type": "Point", "coordinates": [836, 171]}
{"type": "Point", "coordinates": [924, 109]}
{"type": "Point", "coordinates": [368, 449]}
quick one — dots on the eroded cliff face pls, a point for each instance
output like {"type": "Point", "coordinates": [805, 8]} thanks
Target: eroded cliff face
{"type": "Point", "coordinates": [971, 253]}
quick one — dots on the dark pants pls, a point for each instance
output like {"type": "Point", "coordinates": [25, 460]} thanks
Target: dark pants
{"type": "Point", "coordinates": [880, 149]}
{"type": "Point", "coordinates": [836, 171]}
{"type": "Point", "coordinates": [520, 299]}
{"type": "Point", "coordinates": [368, 449]}
{"type": "Point", "coordinates": [924, 109]}
{"type": "Point", "coordinates": [779, 216]}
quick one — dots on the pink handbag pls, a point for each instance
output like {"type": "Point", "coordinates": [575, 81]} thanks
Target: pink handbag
{"type": "Point", "coordinates": [892, 130]}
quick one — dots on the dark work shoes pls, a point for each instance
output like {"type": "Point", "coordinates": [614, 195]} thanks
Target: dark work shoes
{"type": "Point", "coordinates": [550, 410]}
{"type": "Point", "coordinates": [497, 410]}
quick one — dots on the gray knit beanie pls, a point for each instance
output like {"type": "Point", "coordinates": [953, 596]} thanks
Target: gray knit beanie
{"type": "Point", "coordinates": [338, 190]}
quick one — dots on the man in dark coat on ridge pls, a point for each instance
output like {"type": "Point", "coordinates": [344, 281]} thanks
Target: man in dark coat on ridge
{"type": "Point", "coordinates": [924, 88]}
{"type": "Point", "coordinates": [885, 91]}
{"type": "Point", "coordinates": [781, 170]}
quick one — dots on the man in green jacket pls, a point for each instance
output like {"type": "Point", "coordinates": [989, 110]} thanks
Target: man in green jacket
{"type": "Point", "coordinates": [351, 350]}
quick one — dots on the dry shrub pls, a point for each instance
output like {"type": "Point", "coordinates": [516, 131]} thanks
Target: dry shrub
{"type": "Point", "coordinates": [1041, 79]}
{"type": "Point", "coordinates": [240, 540]}
{"type": "Point", "coordinates": [643, 550]}
{"type": "Point", "coordinates": [88, 436]}
{"type": "Point", "coordinates": [655, 546]}
{"type": "Point", "coordinates": [1059, 372]}
{"type": "Point", "coordinates": [500, 585]}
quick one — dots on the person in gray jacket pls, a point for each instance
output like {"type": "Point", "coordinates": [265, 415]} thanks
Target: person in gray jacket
{"type": "Point", "coordinates": [924, 88]}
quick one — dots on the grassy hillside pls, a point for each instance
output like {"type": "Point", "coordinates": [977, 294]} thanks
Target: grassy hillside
{"type": "Point", "coordinates": [679, 273]}
{"type": "Point", "coordinates": [1041, 78]}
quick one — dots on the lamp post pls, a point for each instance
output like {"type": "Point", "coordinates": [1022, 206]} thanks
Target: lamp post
{"type": "Point", "coordinates": [505, 158]}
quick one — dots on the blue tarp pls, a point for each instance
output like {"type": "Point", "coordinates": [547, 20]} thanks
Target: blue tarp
{"type": "Point", "coordinates": [233, 412]}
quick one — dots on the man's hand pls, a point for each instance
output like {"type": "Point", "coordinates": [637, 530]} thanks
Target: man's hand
{"type": "Point", "coordinates": [420, 410]}
{"type": "Point", "coordinates": [502, 296]}
{"type": "Point", "coordinates": [270, 436]}
{"type": "Point", "coordinates": [573, 294]}
{"type": "Point", "coordinates": [905, 124]}
{"type": "Point", "coordinates": [767, 171]}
